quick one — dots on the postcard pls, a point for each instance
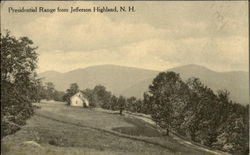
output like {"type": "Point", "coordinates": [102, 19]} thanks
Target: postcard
{"type": "Point", "coordinates": [124, 77]}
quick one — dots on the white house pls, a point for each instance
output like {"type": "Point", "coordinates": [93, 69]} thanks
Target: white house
{"type": "Point", "coordinates": [79, 100]}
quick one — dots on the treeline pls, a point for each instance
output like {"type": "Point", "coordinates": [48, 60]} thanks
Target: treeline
{"type": "Point", "coordinates": [19, 82]}
{"type": "Point", "coordinates": [99, 96]}
{"type": "Point", "coordinates": [47, 91]}
{"type": "Point", "coordinates": [193, 110]}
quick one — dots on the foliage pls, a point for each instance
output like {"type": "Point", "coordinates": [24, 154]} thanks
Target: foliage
{"type": "Point", "coordinates": [132, 104]}
{"type": "Point", "coordinates": [74, 88]}
{"type": "Point", "coordinates": [121, 103]}
{"type": "Point", "coordinates": [167, 96]}
{"type": "Point", "coordinates": [89, 94]}
{"type": "Point", "coordinates": [101, 96]}
{"type": "Point", "coordinates": [98, 97]}
{"type": "Point", "coordinates": [47, 91]}
{"type": "Point", "coordinates": [194, 110]}
{"type": "Point", "coordinates": [146, 106]}
{"type": "Point", "coordinates": [19, 83]}
{"type": "Point", "coordinates": [58, 96]}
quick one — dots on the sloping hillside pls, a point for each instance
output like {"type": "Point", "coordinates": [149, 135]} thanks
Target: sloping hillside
{"type": "Point", "coordinates": [57, 129]}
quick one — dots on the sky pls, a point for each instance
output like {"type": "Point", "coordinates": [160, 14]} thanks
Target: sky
{"type": "Point", "coordinates": [157, 36]}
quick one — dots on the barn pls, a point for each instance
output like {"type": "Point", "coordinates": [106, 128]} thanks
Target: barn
{"type": "Point", "coordinates": [79, 100]}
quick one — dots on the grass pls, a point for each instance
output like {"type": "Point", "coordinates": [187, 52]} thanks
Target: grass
{"type": "Point", "coordinates": [61, 129]}
{"type": "Point", "coordinates": [140, 128]}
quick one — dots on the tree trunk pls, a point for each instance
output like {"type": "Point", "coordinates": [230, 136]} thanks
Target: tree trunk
{"type": "Point", "coordinates": [167, 132]}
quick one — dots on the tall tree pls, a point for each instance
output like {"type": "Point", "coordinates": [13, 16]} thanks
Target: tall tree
{"type": "Point", "coordinates": [50, 90]}
{"type": "Point", "coordinates": [102, 96]}
{"type": "Point", "coordinates": [166, 93]}
{"type": "Point", "coordinates": [18, 81]}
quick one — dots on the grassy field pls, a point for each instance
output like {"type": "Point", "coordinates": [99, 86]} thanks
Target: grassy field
{"type": "Point", "coordinates": [59, 129]}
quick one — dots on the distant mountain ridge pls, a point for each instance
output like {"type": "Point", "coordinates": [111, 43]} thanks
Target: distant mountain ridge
{"type": "Point", "coordinates": [49, 74]}
{"type": "Point", "coordinates": [114, 78]}
{"type": "Point", "coordinates": [129, 81]}
{"type": "Point", "coordinates": [236, 82]}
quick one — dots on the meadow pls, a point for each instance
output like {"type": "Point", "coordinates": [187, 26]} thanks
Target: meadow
{"type": "Point", "coordinates": [60, 129]}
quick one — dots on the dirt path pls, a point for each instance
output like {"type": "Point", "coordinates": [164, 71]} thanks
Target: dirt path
{"type": "Point", "coordinates": [180, 140]}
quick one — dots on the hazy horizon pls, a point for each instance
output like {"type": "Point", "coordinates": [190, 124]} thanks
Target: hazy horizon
{"type": "Point", "coordinates": [140, 68]}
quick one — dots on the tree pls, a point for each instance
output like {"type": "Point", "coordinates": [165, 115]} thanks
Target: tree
{"type": "Point", "coordinates": [102, 97]}
{"type": "Point", "coordinates": [216, 121]}
{"type": "Point", "coordinates": [194, 110]}
{"type": "Point", "coordinates": [131, 104]}
{"type": "Point", "coordinates": [114, 102]}
{"type": "Point", "coordinates": [74, 88]}
{"type": "Point", "coordinates": [18, 81]}
{"type": "Point", "coordinates": [58, 96]}
{"type": "Point", "coordinates": [223, 95]}
{"type": "Point", "coordinates": [121, 103]}
{"type": "Point", "coordinates": [38, 91]}
{"type": "Point", "coordinates": [50, 90]}
{"type": "Point", "coordinates": [147, 105]}
{"type": "Point", "coordinates": [166, 92]}
{"type": "Point", "coordinates": [205, 110]}
{"type": "Point", "coordinates": [135, 105]}
{"type": "Point", "coordinates": [89, 94]}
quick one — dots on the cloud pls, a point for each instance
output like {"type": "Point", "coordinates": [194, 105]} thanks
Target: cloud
{"type": "Point", "coordinates": [85, 31]}
{"type": "Point", "coordinates": [160, 35]}
{"type": "Point", "coordinates": [221, 54]}
{"type": "Point", "coordinates": [143, 54]}
{"type": "Point", "coordinates": [157, 54]}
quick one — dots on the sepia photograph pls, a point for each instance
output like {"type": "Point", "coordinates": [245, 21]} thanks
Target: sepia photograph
{"type": "Point", "coordinates": [124, 77]}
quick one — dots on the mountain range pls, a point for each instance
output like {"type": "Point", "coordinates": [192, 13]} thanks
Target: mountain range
{"type": "Point", "coordinates": [129, 81]}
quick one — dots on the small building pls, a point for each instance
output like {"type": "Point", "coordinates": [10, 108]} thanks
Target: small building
{"type": "Point", "coordinates": [79, 100]}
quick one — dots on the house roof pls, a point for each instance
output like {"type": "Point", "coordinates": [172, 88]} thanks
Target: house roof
{"type": "Point", "coordinates": [83, 95]}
